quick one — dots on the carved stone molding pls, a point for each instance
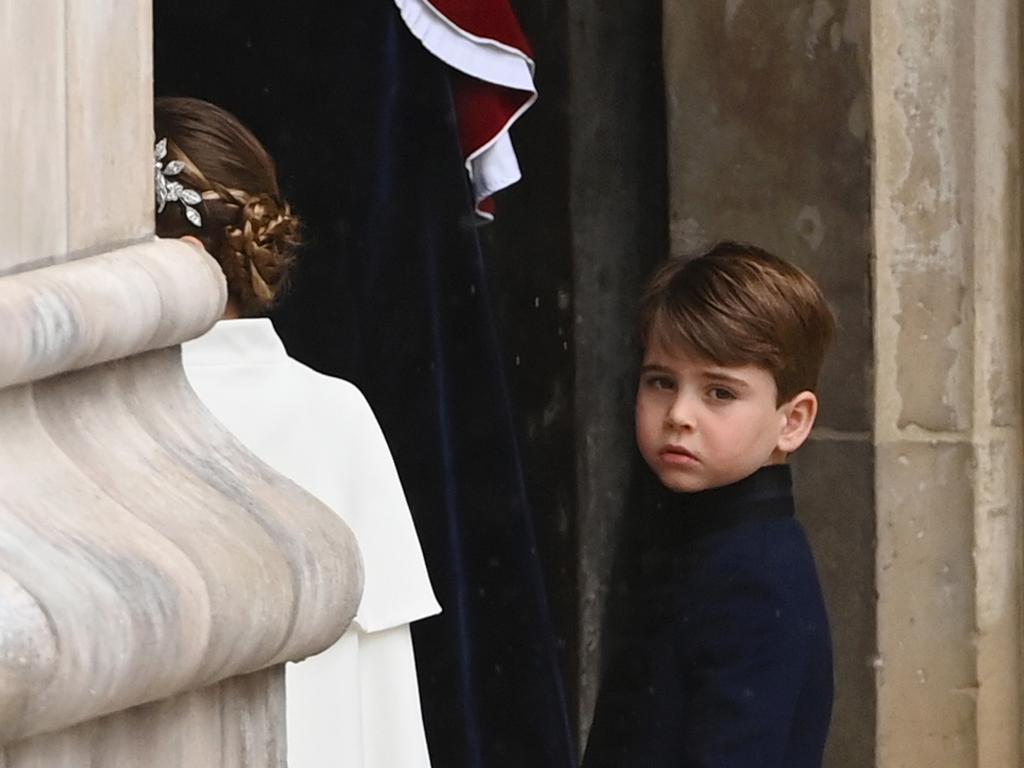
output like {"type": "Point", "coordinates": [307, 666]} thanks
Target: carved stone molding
{"type": "Point", "coordinates": [70, 316]}
{"type": "Point", "coordinates": [144, 553]}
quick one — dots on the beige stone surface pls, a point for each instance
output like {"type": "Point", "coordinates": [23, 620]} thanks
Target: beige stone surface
{"type": "Point", "coordinates": [70, 316]}
{"type": "Point", "coordinates": [926, 673]}
{"type": "Point", "coordinates": [109, 122]}
{"type": "Point", "coordinates": [923, 207]}
{"type": "Point", "coordinates": [33, 165]}
{"type": "Point", "coordinates": [232, 723]}
{"type": "Point", "coordinates": [932, 353]}
{"type": "Point", "coordinates": [948, 340]}
{"type": "Point", "coordinates": [998, 381]}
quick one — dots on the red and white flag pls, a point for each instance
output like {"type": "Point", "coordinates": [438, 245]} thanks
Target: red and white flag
{"type": "Point", "coordinates": [483, 42]}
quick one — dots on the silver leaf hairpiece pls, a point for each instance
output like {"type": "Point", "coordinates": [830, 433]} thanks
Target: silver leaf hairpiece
{"type": "Point", "coordinates": [168, 190]}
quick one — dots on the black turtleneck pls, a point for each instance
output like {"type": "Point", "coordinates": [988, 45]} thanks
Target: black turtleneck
{"type": "Point", "coordinates": [727, 659]}
{"type": "Point", "coordinates": [766, 494]}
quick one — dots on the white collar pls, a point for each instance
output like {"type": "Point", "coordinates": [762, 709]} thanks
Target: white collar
{"type": "Point", "coordinates": [248, 339]}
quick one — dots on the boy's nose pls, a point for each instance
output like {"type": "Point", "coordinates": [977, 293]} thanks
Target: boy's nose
{"type": "Point", "coordinates": [680, 413]}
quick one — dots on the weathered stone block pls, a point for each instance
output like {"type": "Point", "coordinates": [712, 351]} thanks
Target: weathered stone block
{"type": "Point", "coordinates": [923, 213]}
{"type": "Point", "coordinates": [927, 676]}
{"type": "Point", "coordinates": [33, 163]}
{"type": "Point", "coordinates": [109, 122]}
{"type": "Point", "coordinates": [933, 350]}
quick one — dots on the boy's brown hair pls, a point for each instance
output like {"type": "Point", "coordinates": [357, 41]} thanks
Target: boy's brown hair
{"type": "Point", "coordinates": [736, 304]}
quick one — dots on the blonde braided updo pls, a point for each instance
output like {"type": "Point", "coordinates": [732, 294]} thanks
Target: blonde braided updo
{"type": "Point", "coordinates": [246, 224]}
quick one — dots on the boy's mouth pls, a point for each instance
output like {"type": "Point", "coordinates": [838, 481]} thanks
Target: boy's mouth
{"type": "Point", "coordinates": [677, 454]}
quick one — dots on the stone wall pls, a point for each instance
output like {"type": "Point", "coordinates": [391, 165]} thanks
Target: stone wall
{"type": "Point", "coordinates": [947, 345]}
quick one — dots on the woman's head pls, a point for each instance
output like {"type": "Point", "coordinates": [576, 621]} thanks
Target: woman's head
{"type": "Point", "coordinates": [245, 224]}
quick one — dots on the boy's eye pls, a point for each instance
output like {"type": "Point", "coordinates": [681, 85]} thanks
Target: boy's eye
{"type": "Point", "coordinates": [721, 393]}
{"type": "Point", "coordinates": [659, 382]}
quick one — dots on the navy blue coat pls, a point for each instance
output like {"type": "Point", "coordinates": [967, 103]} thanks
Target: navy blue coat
{"type": "Point", "coordinates": [729, 663]}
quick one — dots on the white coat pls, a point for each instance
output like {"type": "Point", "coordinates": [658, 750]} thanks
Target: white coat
{"type": "Point", "coordinates": [357, 703]}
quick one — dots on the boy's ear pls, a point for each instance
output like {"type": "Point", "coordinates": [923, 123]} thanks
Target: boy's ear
{"type": "Point", "coordinates": [799, 413]}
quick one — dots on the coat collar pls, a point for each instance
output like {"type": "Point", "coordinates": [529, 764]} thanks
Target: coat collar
{"type": "Point", "coordinates": [248, 339]}
{"type": "Point", "coordinates": [765, 494]}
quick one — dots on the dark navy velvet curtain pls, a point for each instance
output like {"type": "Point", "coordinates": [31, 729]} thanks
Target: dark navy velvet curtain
{"type": "Point", "coordinates": [391, 295]}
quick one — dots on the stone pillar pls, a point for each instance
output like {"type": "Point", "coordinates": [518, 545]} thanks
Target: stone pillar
{"type": "Point", "coordinates": [947, 416]}
{"type": "Point", "coordinates": [154, 575]}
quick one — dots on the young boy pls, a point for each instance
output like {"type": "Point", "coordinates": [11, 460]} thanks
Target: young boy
{"type": "Point", "coordinates": [730, 662]}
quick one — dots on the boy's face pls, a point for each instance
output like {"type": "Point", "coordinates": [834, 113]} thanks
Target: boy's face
{"type": "Point", "coordinates": [701, 425]}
